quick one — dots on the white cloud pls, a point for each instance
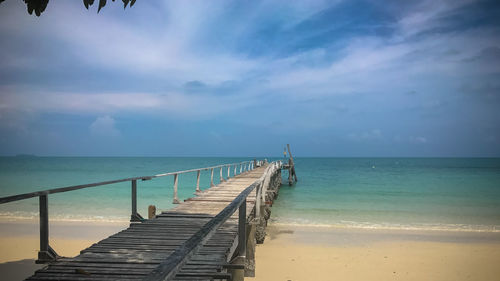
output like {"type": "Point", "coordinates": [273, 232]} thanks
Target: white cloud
{"type": "Point", "coordinates": [104, 126]}
{"type": "Point", "coordinates": [372, 135]}
{"type": "Point", "coordinates": [427, 14]}
{"type": "Point", "coordinates": [173, 104]}
{"type": "Point", "coordinates": [418, 140]}
{"type": "Point", "coordinates": [172, 54]}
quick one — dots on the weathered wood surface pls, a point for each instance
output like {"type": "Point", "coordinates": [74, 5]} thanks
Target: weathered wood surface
{"type": "Point", "coordinates": [133, 253]}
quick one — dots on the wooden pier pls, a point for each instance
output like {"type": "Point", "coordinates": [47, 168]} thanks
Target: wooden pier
{"type": "Point", "coordinates": [210, 236]}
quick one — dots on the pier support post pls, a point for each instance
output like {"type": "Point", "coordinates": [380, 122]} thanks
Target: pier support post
{"type": "Point", "coordinates": [46, 253]}
{"type": "Point", "coordinates": [198, 181]}
{"type": "Point", "coordinates": [250, 251]}
{"type": "Point", "coordinates": [135, 217]}
{"type": "Point", "coordinates": [239, 274]}
{"type": "Point", "coordinates": [260, 225]}
{"type": "Point", "coordinates": [176, 181]}
{"type": "Point", "coordinates": [212, 177]}
{"type": "Point", "coordinates": [151, 211]}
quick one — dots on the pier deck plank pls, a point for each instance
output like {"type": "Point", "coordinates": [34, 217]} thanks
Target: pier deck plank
{"type": "Point", "coordinates": [133, 253]}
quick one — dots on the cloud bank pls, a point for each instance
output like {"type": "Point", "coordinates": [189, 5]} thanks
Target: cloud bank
{"type": "Point", "coordinates": [335, 70]}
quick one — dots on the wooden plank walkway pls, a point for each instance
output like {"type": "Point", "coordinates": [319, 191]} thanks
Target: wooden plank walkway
{"type": "Point", "coordinates": [134, 252]}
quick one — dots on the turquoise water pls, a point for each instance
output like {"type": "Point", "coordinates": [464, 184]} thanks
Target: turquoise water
{"type": "Point", "coordinates": [424, 193]}
{"type": "Point", "coordinates": [109, 202]}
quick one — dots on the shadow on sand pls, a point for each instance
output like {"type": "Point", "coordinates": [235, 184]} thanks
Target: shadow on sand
{"type": "Point", "coordinates": [18, 270]}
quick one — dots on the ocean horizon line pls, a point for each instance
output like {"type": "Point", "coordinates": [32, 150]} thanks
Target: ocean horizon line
{"type": "Point", "coordinates": [270, 157]}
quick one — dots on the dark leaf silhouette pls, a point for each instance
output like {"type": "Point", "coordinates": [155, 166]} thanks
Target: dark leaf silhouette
{"type": "Point", "coordinates": [38, 6]}
{"type": "Point", "coordinates": [102, 3]}
{"type": "Point", "coordinates": [88, 3]}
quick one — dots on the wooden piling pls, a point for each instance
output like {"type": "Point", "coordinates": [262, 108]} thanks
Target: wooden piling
{"type": "Point", "coordinates": [151, 211]}
{"type": "Point", "coordinates": [291, 168]}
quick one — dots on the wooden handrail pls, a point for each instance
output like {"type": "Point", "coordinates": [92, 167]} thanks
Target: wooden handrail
{"type": "Point", "coordinates": [171, 266]}
{"type": "Point", "coordinates": [64, 189]}
{"type": "Point", "coordinates": [23, 196]}
{"type": "Point", "coordinates": [47, 254]}
{"type": "Point", "coordinates": [201, 169]}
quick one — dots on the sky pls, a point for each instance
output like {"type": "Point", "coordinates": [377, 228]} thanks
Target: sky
{"type": "Point", "coordinates": [244, 78]}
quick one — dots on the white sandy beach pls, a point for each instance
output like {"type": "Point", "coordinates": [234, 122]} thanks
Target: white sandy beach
{"type": "Point", "coordinates": [319, 253]}
{"type": "Point", "coordinates": [19, 239]}
{"type": "Point", "coordinates": [299, 252]}
{"type": "Point", "coordinates": [19, 243]}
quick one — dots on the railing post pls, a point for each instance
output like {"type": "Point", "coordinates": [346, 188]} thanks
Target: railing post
{"type": "Point", "coordinates": [234, 172]}
{"type": "Point", "coordinates": [228, 171]}
{"type": "Point", "coordinates": [46, 253]}
{"type": "Point", "coordinates": [176, 181]}
{"type": "Point", "coordinates": [242, 231]}
{"type": "Point", "coordinates": [198, 181]}
{"type": "Point", "coordinates": [258, 199]}
{"type": "Point", "coordinates": [221, 177]}
{"type": "Point", "coordinates": [44, 223]}
{"type": "Point", "coordinates": [212, 177]}
{"type": "Point", "coordinates": [134, 198]}
{"type": "Point", "coordinates": [135, 216]}
{"type": "Point", "coordinates": [241, 167]}
{"type": "Point", "coordinates": [241, 259]}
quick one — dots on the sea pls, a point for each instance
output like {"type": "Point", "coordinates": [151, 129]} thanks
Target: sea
{"type": "Point", "coordinates": [387, 193]}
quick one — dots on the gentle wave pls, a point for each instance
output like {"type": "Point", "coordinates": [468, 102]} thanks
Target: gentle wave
{"type": "Point", "coordinates": [392, 226]}
{"type": "Point", "coordinates": [27, 216]}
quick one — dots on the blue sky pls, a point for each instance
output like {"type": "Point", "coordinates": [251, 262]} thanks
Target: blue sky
{"type": "Point", "coordinates": [243, 78]}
